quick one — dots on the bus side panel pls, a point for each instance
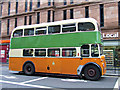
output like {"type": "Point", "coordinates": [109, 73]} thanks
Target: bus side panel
{"type": "Point", "coordinates": [16, 64]}
{"type": "Point", "coordinates": [69, 65]}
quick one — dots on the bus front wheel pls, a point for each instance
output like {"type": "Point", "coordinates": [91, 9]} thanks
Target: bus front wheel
{"type": "Point", "coordinates": [29, 69]}
{"type": "Point", "coordinates": [92, 72]}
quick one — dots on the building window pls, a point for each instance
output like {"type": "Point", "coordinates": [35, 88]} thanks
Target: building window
{"type": "Point", "coordinates": [49, 12]}
{"type": "Point", "coordinates": [25, 20]}
{"type": "Point", "coordinates": [101, 15]}
{"type": "Point", "coordinates": [38, 3]}
{"type": "Point", "coordinates": [71, 1]}
{"type": "Point", "coordinates": [49, 2]}
{"type": "Point", "coordinates": [53, 2]}
{"type": "Point", "coordinates": [16, 6]}
{"type": "Point", "coordinates": [15, 22]}
{"type": "Point", "coordinates": [1, 10]}
{"type": "Point", "coordinates": [30, 5]}
{"type": "Point", "coordinates": [119, 13]}
{"type": "Point", "coordinates": [38, 17]}
{"type": "Point", "coordinates": [65, 2]}
{"type": "Point", "coordinates": [9, 7]}
{"type": "Point", "coordinates": [64, 14]}
{"type": "Point", "coordinates": [87, 12]}
{"type": "Point", "coordinates": [25, 5]}
{"type": "Point", "coordinates": [8, 25]}
{"type": "Point", "coordinates": [30, 19]}
{"type": "Point", "coordinates": [0, 28]}
{"type": "Point", "coordinates": [53, 16]}
{"type": "Point", "coordinates": [71, 14]}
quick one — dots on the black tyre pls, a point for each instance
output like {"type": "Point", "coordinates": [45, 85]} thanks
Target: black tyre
{"type": "Point", "coordinates": [29, 69]}
{"type": "Point", "coordinates": [92, 72]}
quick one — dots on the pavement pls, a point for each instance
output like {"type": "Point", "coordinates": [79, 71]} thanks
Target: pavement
{"type": "Point", "coordinates": [111, 72]}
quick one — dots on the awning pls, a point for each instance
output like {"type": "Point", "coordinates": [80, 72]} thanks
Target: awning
{"type": "Point", "coordinates": [4, 41]}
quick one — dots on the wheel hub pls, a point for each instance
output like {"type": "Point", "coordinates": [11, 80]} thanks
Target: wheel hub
{"type": "Point", "coordinates": [91, 72]}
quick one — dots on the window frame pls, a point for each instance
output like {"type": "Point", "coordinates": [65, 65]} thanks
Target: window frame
{"type": "Point", "coordinates": [24, 55]}
{"type": "Point", "coordinates": [29, 29]}
{"type": "Point", "coordinates": [68, 26]}
{"type": "Point", "coordinates": [40, 49]}
{"type": "Point", "coordinates": [17, 30]}
{"type": "Point", "coordinates": [53, 52]}
{"type": "Point", "coordinates": [44, 27]}
{"type": "Point", "coordinates": [55, 26]}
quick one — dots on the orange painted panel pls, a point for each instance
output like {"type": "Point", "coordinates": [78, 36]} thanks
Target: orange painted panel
{"type": "Point", "coordinates": [56, 65]}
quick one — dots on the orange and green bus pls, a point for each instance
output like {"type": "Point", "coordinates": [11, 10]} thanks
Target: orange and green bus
{"type": "Point", "coordinates": [71, 47]}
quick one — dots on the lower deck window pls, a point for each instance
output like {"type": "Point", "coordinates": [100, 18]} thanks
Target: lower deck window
{"type": "Point", "coordinates": [85, 51]}
{"type": "Point", "coordinates": [53, 52]}
{"type": "Point", "coordinates": [28, 52]}
{"type": "Point", "coordinates": [40, 52]}
{"type": "Point", "coordinates": [94, 50]}
{"type": "Point", "coordinates": [69, 52]}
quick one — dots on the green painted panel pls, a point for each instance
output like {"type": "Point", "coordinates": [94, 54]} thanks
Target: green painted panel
{"type": "Point", "coordinates": [59, 40]}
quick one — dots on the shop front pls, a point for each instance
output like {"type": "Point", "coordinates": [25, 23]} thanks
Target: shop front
{"type": "Point", "coordinates": [111, 43]}
{"type": "Point", "coordinates": [4, 51]}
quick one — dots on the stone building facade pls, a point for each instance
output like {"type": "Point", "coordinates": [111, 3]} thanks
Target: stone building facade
{"type": "Point", "coordinates": [15, 13]}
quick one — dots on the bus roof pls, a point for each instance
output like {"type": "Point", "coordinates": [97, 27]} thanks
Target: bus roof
{"type": "Point", "coordinates": [58, 23]}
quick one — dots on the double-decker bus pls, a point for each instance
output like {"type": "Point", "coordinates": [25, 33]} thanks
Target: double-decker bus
{"type": "Point", "coordinates": [71, 47]}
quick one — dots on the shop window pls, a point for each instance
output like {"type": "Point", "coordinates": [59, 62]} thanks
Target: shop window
{"type": "Point", "coordinates": [94, 50]}
{"type": "Point", "coordinates": [54, 29]}
{"type": "Point", "coordinates": [18, 33]}
{"type": "Point", "coordinates": [69, 28]}
{"type": "Point", "coordinates": [85, 51]}
{"type": "Point", "coordinates": [29, 32]}
{"type": "Point", "coordinates": [41, 31]}
{"type": "Point", "coordinates": [69, 52]}
{"type": "Point", "coordinates": [40, 52]}
{"type": "Point", "coordinates": [86, 26]}
{"type": "Point", "coordinates": [53, 52]}
{"type": "Point", "coordinates": [28, 52]}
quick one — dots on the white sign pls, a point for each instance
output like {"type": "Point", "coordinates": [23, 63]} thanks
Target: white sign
{"type": "Point", "coordinates": [2, 54]}
{"type": "Point", "coordinates": [110, 35]}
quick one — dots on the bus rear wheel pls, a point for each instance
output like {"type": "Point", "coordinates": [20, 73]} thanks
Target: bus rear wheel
{"type": "Point", "coordinates": [92, 72]}
{"type": "Point", "coordinates": [29, 69]}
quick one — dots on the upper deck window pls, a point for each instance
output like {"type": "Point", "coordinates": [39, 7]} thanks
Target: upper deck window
{"type": "Point", "coordinates": [86, 26]}
{"type": "Point", "coordinates": [29, 32]}
{"type": "Point", "coordinates": [69, 28]}
{"type": "Point", "coordinates": [40, 30]}
{"type": "Point", "coordinates": [18, 33]}
{"type": "Point", "coordinates": [54, 29]}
